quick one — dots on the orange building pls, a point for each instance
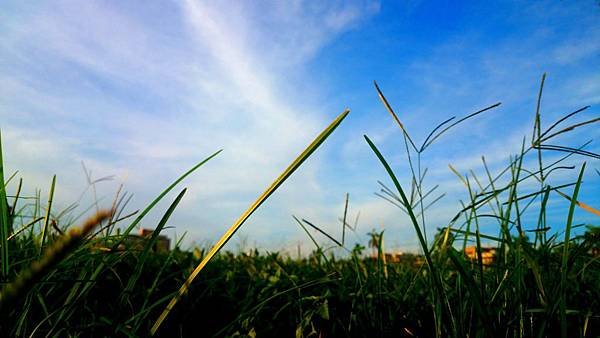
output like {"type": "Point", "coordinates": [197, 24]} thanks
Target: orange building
{"type": "Point", "coordinates": [488, 255]}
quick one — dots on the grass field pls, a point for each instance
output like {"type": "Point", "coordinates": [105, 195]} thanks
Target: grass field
{"type": "Point", "coordinates": [61, 278]}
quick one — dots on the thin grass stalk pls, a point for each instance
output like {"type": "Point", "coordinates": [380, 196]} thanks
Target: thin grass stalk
{"type": "Point", "coordinates": [478, 246]}
{"type": "Point", "coordinates": [16, 199]}
{"type": "Point", "coordinates": [540, 234]}
{"type": "Point", "coordinates": [319, 250]}
{"type": "Point", "coordinates": [16, 233]}
{"type": "Point", "coordinates": [4, 219]}
{"type": "Point", "coordinates": [535, 140]}
{"type": "Point", "coordinates": [323, 232]}
{"type": "Point", "coordinates": [434, 274]}
{"type": "Point", "coordinates": [47, 217]}
{"type": "Point", "coordinates": [242, 219]}
{"type": "Point", "coordinates": [344, 219]}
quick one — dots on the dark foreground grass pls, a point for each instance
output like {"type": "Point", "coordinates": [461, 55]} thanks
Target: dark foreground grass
{"type": "Point", "coordinates": [544, 281]}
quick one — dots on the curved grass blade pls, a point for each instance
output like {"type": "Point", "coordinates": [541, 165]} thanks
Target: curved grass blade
{"type": "Point", "coordinates": [160, 197]}
{"type": "Point", "coordinates": [459, 121]}
{"type": "Point", "coordinates": [569, 128]}
{"type": "Point", "coordinates": [242, 219]}
{"type": "Point", "coordinates": [561, 120]}
{"type": "Point", "coordinates": [568, 150]}
{"type": "Point", "coordinates": [433, 132]}
{"type": "Point", "coordinates": [410, 213]}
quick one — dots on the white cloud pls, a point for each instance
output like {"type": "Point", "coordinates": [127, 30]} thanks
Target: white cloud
{"type": "Point", "coordinates": [145, 100]}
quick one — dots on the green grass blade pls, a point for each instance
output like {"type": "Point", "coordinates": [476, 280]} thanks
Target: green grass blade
{"type": "Point", "coordinates": [344, 219]}
{"type": "Point", "coordinates": [161, 196]}
{"type": "Point", "coordinates": [565, 255]}
{"type": "Point", "coordinates": [144, 255]}
{"type": "Point", "coordinates": [406, 202]}
{"type": "Point", "coordinates": [4, 227]}
{"type": "Point", "coordinates": [242, 219]}
{"type": "Point", "coordinates": [47, 217]}
{"type": "Point", "coordinates": [434, 274]}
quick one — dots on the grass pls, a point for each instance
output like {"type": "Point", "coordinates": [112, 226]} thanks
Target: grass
{"type": "Point", "coordinates": [60, 279]}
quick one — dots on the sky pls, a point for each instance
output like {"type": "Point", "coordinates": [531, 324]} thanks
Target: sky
{"type": "Point", "coordinates": [142, 92]}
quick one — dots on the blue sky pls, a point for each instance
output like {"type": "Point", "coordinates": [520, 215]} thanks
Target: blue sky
{"type": "Point", "coordinates": [145, 92]}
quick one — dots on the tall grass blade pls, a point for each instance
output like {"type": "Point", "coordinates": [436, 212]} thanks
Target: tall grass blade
{"type": "Point", "coordinates": [565, 255]}
{"type": "Point", "coordinates": [422, 242]}
{"type": "Point", "coordinates": [162, 195]}
{"type": "Point", "coordinates": [47, 217]}
{"type": "Point", "coordinates": [344, 221]}
{"type": "Point", "coordinates": [404, 199]}
{"type": "Point", "coordinates": [4, 219]}
{"type": "Point", "coordinates": [242, 219]}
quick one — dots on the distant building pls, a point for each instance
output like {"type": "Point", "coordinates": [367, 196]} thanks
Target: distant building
{"type": "Point", "coordinates": [138, 242]}
{"type": "Point", "coordinates": [400, 257]}
{"type": "Point", "coordinates": [163, 243]}
{"type": "Point", "coordinates": [488, 255]}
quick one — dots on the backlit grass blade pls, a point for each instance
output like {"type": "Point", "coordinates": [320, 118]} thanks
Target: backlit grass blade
{"type": "Point", "coordinates": [4, 228]}
{"type": "Point", "coordinates": [47, 217]}
{"type": "Point", "coordinates": [261, 199]}
{"type": "Point", "coordinates": [162, 194]}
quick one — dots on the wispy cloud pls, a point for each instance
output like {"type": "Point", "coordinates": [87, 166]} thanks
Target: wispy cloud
{"type": "Point", "coordinates": [145, 98]}
{"type": "Point", "coordinates": [146, 92]}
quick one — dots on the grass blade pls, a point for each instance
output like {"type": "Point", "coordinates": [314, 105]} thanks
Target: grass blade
{"type": "Point", "coordinates": [47, 217]}
{"type": "Point", "coordinates": [162, 194]}
{"type": "Point", "coordinates": [565, 255]}
{"type": "Point", "coordinates": [242, 219]}
{"type": "Point", "coordinates": [344, 221]}
{"type": "Point", "coordinates": [149, 243]}
{"type": "Point", "coordinates": [4, 227]}
{"type": "Point", "coordinates": [323, 232]}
